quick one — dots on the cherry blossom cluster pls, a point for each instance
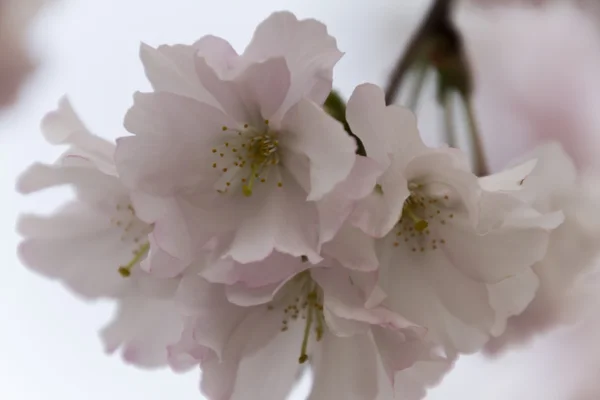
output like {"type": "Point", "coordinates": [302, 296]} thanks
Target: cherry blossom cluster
{"type": "Point", "coordinates": [240, 230]}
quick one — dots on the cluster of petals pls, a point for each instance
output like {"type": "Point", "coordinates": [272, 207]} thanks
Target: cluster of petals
{"type": "Point", "coordinates": [239, 230]}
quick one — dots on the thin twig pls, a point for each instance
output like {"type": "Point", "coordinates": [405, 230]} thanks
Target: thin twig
{"type": "Point", "coordinates": [480, 163]}
{"type": "Point", "coordinates": [451, 136]}
{"type": "Point", "coordinates": [437, 14]}
{"type": "Point", "coordinates": [415, 94]}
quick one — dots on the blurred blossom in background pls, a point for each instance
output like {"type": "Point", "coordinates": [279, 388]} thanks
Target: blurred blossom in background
{"type": "Point", "coordinates": [536, 66]}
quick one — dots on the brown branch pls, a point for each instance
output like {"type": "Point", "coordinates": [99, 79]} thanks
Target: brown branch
{"type": "Point", "coordinates": [438, 15]}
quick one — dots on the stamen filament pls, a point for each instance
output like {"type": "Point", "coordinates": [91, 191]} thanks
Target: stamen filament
{"type": "Point", "coordinates": [312, 296]}
{"type": "Point", "coordinates": [125, 270]}
{"type": "Point", "coordinates": [419, 224]}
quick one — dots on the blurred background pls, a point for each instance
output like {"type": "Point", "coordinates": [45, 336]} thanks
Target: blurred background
{"type": "Point", "coordinates": [537, 73]}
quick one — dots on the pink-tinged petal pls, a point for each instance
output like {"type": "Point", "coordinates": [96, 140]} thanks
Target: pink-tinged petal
{"type": "Point", "coordinates": [90, 183]}
{"type": "Point", "coordinates": [63, 126]}
{"type": "Point", "coordinates": [143, 328]}
{"type": "Point", "coordinates": [345, 300]}
{"type": "Point", "coordinates": [335, 207]}
{"type": "Point", "coordinates": [172, 68]}
{"type": "Point", "coordinates": [386, 131]}
{"type": "Point", "coordinates": [501, 253]}
{"type": "Point", "coordinates": [252, 97]}
{"type": "Point", "coordinates": [462, 296]}
{"type": "Point", "coordinates": [412, 383]}
{"type": "Point", "coordinates": [79, 247]}
{"type": "Point", "coordinates": [345, 368]}
{"type": "Point", "coordinates": [310, 53]}
{"type": "Point", "coordinates": [411, 294]}
{"type": "Point", "coordinates": [275, 268]}
{"type": "Point", "coordinates": [352, 249]}
{"type": "Point", "coordinates": [366, 116]}
{"type": "Point", "coordinates": [511, 297]}
{"type": "Point", "coordinates": [398, 351]}
{"type": "Point", "coordinates": [257, 342]}
{"type": "Point", "coordinates": [379, 212]}
{"type": "Point", "coordinates": [308, 130]}
{"type": "Point", "coordinates": [187, 353]}
{"type": "Point", "coordinates": [511, 179]}
{"type": "Point", "coordinates": [214, 317]}
{"type": "Point", "coordinates": [161, 264]}
{"type": "Point", "coordinates": [245, 296]}
{"type": "Point", "coordinates": [174, 129]}
{"type": "Point", "coordinates": [285, 223]}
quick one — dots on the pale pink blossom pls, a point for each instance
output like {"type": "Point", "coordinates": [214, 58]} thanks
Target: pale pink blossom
{"type": "Point", "coordinates": [444, 238]}
{"type": "Point", "coordinates": [95, 243]}
{"type": "Point", "coordinates": [243, 165]}
{"type": "Point", "coordinates": [553, 184]}
{"type": "Point", "coordinates": [523, 100]}
{"type": "Point", "coordinates": [254, 342]}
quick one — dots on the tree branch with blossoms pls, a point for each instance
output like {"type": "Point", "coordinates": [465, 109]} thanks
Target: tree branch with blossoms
{"type": "Point", "coordinates": [256, 225]}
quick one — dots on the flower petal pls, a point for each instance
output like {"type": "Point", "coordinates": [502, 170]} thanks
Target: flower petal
{"type": "Point", "coordinates": [310, 53]}
{"type": "Point", "coordinates": [335, 207]}
{"type": "Point", "coordinates": [252, 97]}
{"type": "Point", "coordinates": [285, 222]}
{"type": "Point", "coordinates": [256, 343]}
{"type": "Point", "coordinates": [79, 247]}
{"type": "Point", "coordinates": [353, 249]}
{"type": "Point", "coordinates": [308, 130]}
{"type": "Point", "coordinates": [511, 297]}
{"type": "Point", "coordinates": [63, 126]}
{"type": "Point", "coordinates": [379, 212]}
{"type": "Point", "coordinates": [345, 368]}
{"type": "Point", "coordinates": [144, 327]}
{"type": "Point", "coordinates": [174, 129]}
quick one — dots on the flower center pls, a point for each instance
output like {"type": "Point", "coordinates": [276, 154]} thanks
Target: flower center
{"type": "Point", "coordinates": [247, 156]}
{"type": "Point", "coordinates": [303, 300]}
{"type": "Point", "coordinates": [420, 212]}
{"type": "Point", "coordinates": [134, 233]}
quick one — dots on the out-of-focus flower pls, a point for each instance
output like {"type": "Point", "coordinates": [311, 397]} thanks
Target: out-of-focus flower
{"type": "Point", "coordinates": [95, 243]}
{"type": "Point", "coordinates": [521, 100]}
{"type": "Point", "coordinates": [15, 61]}
{"type": "Point", "coordinates": [554, 185]}
{"type": "Point", "coordinates": [244, 164]}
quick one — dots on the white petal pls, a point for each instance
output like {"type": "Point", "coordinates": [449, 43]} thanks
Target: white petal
{"type": "Point", "coordinates": [144, 328]}
{"type": "Point", "coordinates": [172, 68]}
{"type": "Point", "coordinates": [379, 212]}
{"type": "Point", "coordinates": [252, 97]}
{"type": "Point", "coordinates": [286, 223]}
{"type": "Point", "coordinates": [276, 268]}
{"type": "Point", "coordinates": [345, 300]}
{"type": "Point", "coordinates": [335, 207]}
{"type": "Point", "coordinates": [177, 130]}
{"type": "Point", "coordinates": [345, 368]}
{"type": "Point", "coordinates": [215, 318]}
{"type": "Point", "coordinates": [63, 126]}
{"type": "Point", "coordinates": [353, 249]}
{"type": "Point", "coordinates": [308, 130]}
{"type": "Point", "coordinates": [411, 383]}
{"type": "Point", "coordinates": [256, 343]}
{"type": "Point", "coordinates": [79, 247]}
{"type": "Point", "coordinates": [310, 53]}
{"type": "Point", "coordinates": [511, 297]}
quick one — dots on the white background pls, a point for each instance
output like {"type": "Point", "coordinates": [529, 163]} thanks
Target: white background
{"type": "Point", "coordinates": [89, 50]}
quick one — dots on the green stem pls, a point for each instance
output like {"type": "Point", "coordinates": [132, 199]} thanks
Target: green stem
{"type": "Point", "coordinates": [451, 137]}
{"type": "Point", "coordinates": [480, 163]}
{"type": "Point", "coordinates": [417, 88]}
